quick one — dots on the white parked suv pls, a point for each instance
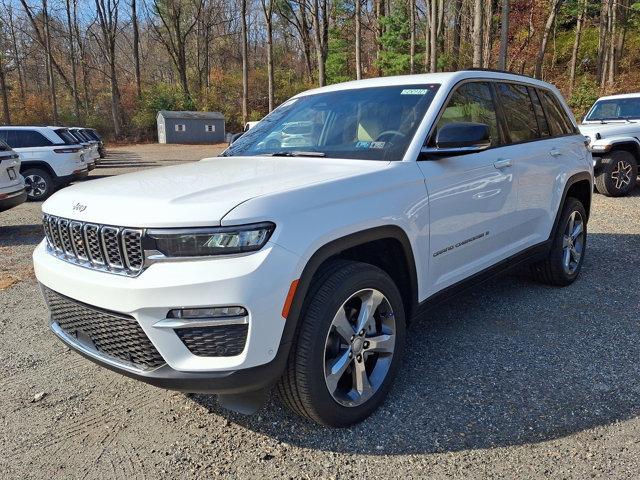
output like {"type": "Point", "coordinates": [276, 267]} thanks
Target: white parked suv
{"type": "Point", "coordinates": [301, 269]}
{"type": "Point", "coordinates": [612, 127]}
{"type": "Point", "coordinates": [48, 161]}
{"type": "Point", "coordinates": [12, 191]}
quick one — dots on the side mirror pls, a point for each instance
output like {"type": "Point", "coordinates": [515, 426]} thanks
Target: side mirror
{"type": "Point", "coordinates": [235, 137]}
{"type": "Point", "coordinates": [459, 138]}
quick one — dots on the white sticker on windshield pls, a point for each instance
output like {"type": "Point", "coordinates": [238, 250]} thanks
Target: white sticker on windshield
{"type": "Point", "coordinates": [377, 145]}
{"type": "Point", "coordinates": [414, 91]}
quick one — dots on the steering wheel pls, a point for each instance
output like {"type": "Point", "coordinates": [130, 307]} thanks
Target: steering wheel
{"type": "Point", "coordinates": [389, 132]}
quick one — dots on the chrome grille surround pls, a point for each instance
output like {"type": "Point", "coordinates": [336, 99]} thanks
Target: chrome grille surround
{"type": "Point", "coordinates": [99, 247]}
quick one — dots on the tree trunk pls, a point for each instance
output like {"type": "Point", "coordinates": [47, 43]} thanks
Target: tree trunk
{"type": "Point", "coordinates": [455, 41]}
{"type": "Point", "coordinates": [52, 80]}
{"type": "Point", "coordinates": [545, 38]}
{"type": "Point", "coordinates": [477, 34]}
{"type": "Point", "coordinates": [378, 6]}
{"type": "Point", "coordinates": [16, 54]}
{"type": "Point", "coordinates": [487, 34]}
{"type": "Point", "coordinates": [136, 47]}
{"type": "Point", "coordinates": [412, 33]}
{"type": "Point", "coordinates": [5, 96]}
{"type": "Point", "coordinates": [427, 38]}
{"type": "Point", "coordinates": [576, 45]}
{"type": "Point", "coordinates": [602, 40]}
{"type": "Point", "coordinates": [358, 34]}
{"type": "Point", "coordinates": [267, 8]}
{"type": "Point", "coordinates": [433, 41]}
{"type": "Point", "coordinates": [245, 63]}
{"type": "Point", "coordinates": [504, 35]}
{"type": "Point", "coordinates": [72, 61]}
{"type": "Point", "coordinates": [320, 27]}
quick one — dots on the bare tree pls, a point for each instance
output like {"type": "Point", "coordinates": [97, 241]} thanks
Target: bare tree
{"type": "Point", "coordinates": [245, 62]}
{"type": "Point", "coordinates": [504, 35]}
{"type": "Point", "coordinates": [177, 21]}
{"type": "Point", "coordinates": [455, 34]}
{"type": "Point", "coordinates": [107, 11]}
{"type": "Point", "coordinates": [477, 34]}
{"type": "Point", "coordinates": [487, 34]}
{"type": "Point", "coordinates": [267, 8]}
{"type": "Point", "coordinates": [358, 35]}
{"type": "Point", "coordinates": [555, 5]}
{"type": "Point", "coordinates": [433, 40]}
{"type": "Point", "coordinates": [319, 13]}
{"type": "Point", "coordinates": [72, 61]}
{"type": "Point", "coordinates": [50, 77]}
{"type": "Point", "coordinates": [136, 47]}
{"type": "Point", "coordinates": [582, 6]}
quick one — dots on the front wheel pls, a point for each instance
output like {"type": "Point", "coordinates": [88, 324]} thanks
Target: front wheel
{"type": "Point", "coordinates": [348, 347]}
{"type": "Point", "coordinates": [617, 174]}
{"type": "Point", "coordinates": [563, 264]}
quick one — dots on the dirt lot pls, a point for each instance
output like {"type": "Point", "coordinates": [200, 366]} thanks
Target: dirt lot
{"type": "Point", "coordinates": [511, 380]}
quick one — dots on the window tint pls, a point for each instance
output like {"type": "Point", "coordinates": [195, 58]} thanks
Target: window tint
{"type": "Point", "coordinates": [66, 136]}
{"type": "Point", "coordinates": [471, 102]}
{"type": "Point", "coordinates": [543, 126]}
{"type": "Point", "coordinates": [26, 139]}
{"type": "Point", "coordinates": [518, 111]}
{"type": "Point", "coordinates": [558, 120]}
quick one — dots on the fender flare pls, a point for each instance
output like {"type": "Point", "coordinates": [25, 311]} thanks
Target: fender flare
{"type": "Point", "coordinates": [333, 248]}
{"type": "Point", "coordinates": [572, 180]}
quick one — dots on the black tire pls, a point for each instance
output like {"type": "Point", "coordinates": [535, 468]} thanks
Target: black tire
{"type": "Point", "coordinates": [302, 387]}
{"type": "Point", "coordinates": [552, 270]}
{"type": "Point", "coordinates": [39, 184]}
{"type": "Point", "coordinates": [617, 174]}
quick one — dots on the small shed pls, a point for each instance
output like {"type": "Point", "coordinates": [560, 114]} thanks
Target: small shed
{"type": "Point", "coordinates": [190, 127]}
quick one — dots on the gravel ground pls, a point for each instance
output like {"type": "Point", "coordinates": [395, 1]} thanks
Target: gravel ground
{"type": "Point", "coordinates": [513, 379]}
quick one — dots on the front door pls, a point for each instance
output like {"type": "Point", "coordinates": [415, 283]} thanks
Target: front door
{"type": "Point", "coordinates": [472, 197]}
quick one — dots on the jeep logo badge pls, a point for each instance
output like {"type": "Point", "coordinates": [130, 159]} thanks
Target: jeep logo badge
{"type": "Point", "coordinates": [78, 207]}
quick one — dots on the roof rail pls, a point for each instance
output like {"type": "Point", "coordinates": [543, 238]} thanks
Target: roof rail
{"type": "Point", "coordinates": [495, 70]}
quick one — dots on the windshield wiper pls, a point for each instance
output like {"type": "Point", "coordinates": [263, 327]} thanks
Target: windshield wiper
{"type": "Point", "coordinates": [295, 153]}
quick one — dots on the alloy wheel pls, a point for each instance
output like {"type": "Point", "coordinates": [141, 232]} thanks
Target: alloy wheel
{"type": "Point", "coordinates": [359, 347]}
{"type": "Point", "coordinates": [573, 243]}
{"type": "Point", "coordinates": [36, 186]}
{"type": "Point", "coordinates": [622, 174]}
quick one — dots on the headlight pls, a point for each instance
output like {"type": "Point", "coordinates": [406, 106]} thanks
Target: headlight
{"type": "Point", "coordinates": [199, 242]}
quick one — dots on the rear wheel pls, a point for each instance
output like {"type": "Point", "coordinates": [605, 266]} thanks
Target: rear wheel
{"type": "Point", "coordinates": [39, 184]}
{"type": "Point", "coordinates": [617, 175]}
{"type": "Point", "coordinates": [565, 258]}
{"type": "Point", "coordinates": [348, 347]}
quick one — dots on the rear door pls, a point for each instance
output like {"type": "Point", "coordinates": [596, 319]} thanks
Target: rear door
{"type": "Point", "coordinates": [472, 197]}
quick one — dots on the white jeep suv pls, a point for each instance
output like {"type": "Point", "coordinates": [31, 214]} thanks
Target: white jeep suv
{"type": "Point", "coordinates": [301, 267]}
{"type": "Point", "coordinates": [48, 160]}
{"type": "Point", "coordinates": [612, 127]}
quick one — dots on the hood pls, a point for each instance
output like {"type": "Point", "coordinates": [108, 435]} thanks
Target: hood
{"type": "Point", "coordinates": [194, 194]}
{"type": "Point", "coordinates": [609, 129]}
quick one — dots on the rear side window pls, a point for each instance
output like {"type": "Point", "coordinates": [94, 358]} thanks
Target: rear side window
{"type": "Point", "coordinates": [559, 121]}
{"type": "Point", "coordinates": [471, 102]}
{"type": "Point", "coordinates": [517, 106]}
{"type": "Point", "coordinates": [66, 136]}
{"type": "Point", "coordinates": [90, 135]}
{"type": "Point", "coordinates": [27, 139]}
{"type": "Point", "coordinates": [543, 125]}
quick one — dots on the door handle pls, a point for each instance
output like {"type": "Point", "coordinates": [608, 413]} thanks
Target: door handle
{"type": "Point", "coordinates": [502, 163]}
{"type": "Point", "coordinates": [554, 152]}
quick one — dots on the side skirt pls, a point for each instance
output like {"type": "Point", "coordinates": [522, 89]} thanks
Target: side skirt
{"type": "Point", "coordinates": [531, 254]}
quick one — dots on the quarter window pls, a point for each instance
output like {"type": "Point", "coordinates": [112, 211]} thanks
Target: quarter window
{"type": "Point", "coordinates": [471, 102]}
{"type": "Point", "coordinates": [518, 111]}
{"type": "Point", "coordinates": [559, 122]}
{"type": "Point", "coordinates": [180, 127]}
{"type": "Point", "coordinates": [543, 126]}
{"type": "Point", "coordinates": [209, 128]}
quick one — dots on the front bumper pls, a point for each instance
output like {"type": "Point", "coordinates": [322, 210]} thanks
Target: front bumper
{"type": "Point", "coordinates": [259, 282]}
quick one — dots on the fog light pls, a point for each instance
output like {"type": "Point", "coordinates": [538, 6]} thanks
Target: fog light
{"type": "Point", "coordinates": [209, 312]}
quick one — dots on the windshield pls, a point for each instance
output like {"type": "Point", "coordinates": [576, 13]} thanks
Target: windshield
{"type": "Point", "coordinates": [369, 123]}
{"type": "Point", "coordinates": [615, 109]}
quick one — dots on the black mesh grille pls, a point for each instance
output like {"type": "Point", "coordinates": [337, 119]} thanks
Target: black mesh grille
{"type": "Point", "coordinates": [222, 341]}
{"type": "Point", "coordinates": [93, 244]}
{"type": "Point", "coordinates": [77, 237]}
{"type": "Point", "coordinates": [132, 246]}
{"type": "Point", "coordinates": [113, 334]}
{"type": "Point", "coordinates": [111, 246]}
{"type": "Point", "coordinates": [65, 236]}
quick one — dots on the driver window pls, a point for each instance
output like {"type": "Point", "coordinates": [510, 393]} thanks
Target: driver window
{"type": "Point", "coordinates": [471, 102]}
